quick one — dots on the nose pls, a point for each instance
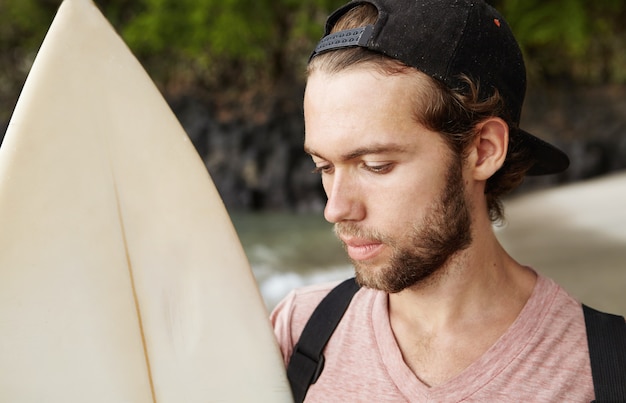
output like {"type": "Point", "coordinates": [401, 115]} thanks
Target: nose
{"type": "Point", "coordinates": [344, 201]}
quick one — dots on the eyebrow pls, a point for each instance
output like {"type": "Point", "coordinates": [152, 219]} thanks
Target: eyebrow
{"type": "Point", "coordinates": [361, 151]}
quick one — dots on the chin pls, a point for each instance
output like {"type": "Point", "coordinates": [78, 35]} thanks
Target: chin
{"type": "Point", "coordinates": [394, 279]}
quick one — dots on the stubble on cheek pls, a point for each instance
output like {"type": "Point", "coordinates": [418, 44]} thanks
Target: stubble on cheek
{"type": "Point", "coordinates": [419, 256]}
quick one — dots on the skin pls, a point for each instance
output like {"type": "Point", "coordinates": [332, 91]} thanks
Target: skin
{"type": "Point", "coordinates": [388, 182]}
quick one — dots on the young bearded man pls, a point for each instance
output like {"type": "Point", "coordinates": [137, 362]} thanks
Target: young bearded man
{"type": "Point", "coordinates": [411, 113]}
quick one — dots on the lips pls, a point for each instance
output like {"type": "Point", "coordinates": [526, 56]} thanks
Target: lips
{"type": "Point", "coordinates": [362, 249]}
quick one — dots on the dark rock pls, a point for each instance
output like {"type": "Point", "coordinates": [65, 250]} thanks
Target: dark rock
{"type": "Point", "coordinates": [259, 164]}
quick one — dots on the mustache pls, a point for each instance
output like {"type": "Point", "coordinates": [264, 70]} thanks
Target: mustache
{"type": "Point", "coordinates": [351, 230]}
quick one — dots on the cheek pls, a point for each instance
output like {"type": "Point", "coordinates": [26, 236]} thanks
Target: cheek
{"type": "Point", "coordinates": [404, 201]}
{"type": "Point", "coordinates": [393, 205]}
{"type": "Point", "coordinates": [412, 187]}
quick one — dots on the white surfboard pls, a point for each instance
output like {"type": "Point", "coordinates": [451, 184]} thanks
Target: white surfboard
{"type": "Point", "coordinates": [121, 276]}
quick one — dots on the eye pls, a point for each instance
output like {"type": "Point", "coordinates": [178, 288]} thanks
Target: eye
{"type": "Point", "coordinates": [323, 169]}
{"type": "Point", "coordinates": [378, 168]}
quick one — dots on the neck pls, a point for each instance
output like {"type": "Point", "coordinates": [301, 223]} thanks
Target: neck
{"type": "Point", "coordinates": [480, 283]}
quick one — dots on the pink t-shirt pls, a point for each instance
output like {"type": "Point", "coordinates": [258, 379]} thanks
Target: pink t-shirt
{"type": "Point", "coordinates": [542, 357]}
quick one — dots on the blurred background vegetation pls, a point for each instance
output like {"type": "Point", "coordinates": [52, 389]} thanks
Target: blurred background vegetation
{"type": "Point", "coordinates": [250, 53]}
{"type": "Point", "coordinates": [232, 71]}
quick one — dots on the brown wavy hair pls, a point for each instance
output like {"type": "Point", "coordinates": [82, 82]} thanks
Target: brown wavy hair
{"type": "Point", "coordinates": [455, 113]}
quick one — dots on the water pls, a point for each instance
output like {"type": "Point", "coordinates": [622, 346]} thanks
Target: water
{"type": "Point", "coordinates": [290, 250]}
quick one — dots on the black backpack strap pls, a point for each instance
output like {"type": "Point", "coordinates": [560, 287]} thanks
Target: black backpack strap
{"type": "Point", "coordinates": [307, 361]}
{"type": "Point", "coordinates": [606, 336]}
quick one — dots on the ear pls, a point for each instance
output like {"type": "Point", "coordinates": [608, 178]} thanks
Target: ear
{"type": "Point", "coordinates": [489, 148]}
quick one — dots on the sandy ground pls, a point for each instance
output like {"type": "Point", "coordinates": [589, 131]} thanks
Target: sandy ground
{"type": "Point", "coordinates": [576, 235]}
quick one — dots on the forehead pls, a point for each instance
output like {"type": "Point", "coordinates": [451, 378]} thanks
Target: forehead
{"type": "Point", "coordinates": [361, 106]}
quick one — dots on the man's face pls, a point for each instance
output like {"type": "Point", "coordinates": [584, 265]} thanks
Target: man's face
{"type": "Point", "coordinates": [395, 191]}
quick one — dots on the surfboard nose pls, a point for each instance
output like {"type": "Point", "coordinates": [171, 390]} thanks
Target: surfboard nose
{"type": "Point", "coordinates": [121, 276]}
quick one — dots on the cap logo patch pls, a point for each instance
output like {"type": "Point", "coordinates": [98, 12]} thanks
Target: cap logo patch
{"type": "Point", "coordinates": [350, 37]}
{"type": "Point", "coordinates": [497, 22]}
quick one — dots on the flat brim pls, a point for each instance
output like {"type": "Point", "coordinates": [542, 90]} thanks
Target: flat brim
{"type": "Point", "coordinates": [548, 159]}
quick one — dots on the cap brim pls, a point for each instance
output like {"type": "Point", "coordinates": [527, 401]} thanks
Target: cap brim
{"type": "Point", "coordinates": [548, 159]}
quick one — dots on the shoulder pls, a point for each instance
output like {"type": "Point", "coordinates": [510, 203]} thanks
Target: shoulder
{"type": "Point", "coordinates": [291, 314]}
{"type": "Point", "coordinates": [553, 300]}
{"type": "Point", "coordinates": [551, 327]}
{"type": "Point", "coordinates": [558, 314]}
{"type": "Point", "coordinates": [298, 305]}
{"type": "Point", "coordinates": [563, 339]}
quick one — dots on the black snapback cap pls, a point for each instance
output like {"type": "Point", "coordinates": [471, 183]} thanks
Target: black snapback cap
{"type": "Point", "coordinates": [447, 39]}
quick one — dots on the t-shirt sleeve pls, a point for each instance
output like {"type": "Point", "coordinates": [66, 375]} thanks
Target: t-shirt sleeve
{"type": "Point", "coordinates": [281, 321]}
{"type": "Point", "coordinates": [291, 314]}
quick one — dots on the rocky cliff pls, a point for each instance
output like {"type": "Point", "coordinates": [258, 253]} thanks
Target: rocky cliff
{"type": "Point", "coordinates": [257, 162]}
{"type": "Point", "coordinates": [260, 165]}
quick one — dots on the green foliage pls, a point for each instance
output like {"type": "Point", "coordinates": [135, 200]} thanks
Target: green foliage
{"type": "Point", "coordinates": [23, 25]}
{"type": "Point", "coordinates": [535, 24]}
{"type": "Point", "coordinates": [245, 39]}
{"type": "Point", "coordinates": [573, 40]}
{"type": "Point", "coordinates": [24, 22]}
{"type": "Point", "coordinates": [235, 47]}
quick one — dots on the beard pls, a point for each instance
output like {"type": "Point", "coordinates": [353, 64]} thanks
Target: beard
{"type": "Point", "coordinates": [420, 256]}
